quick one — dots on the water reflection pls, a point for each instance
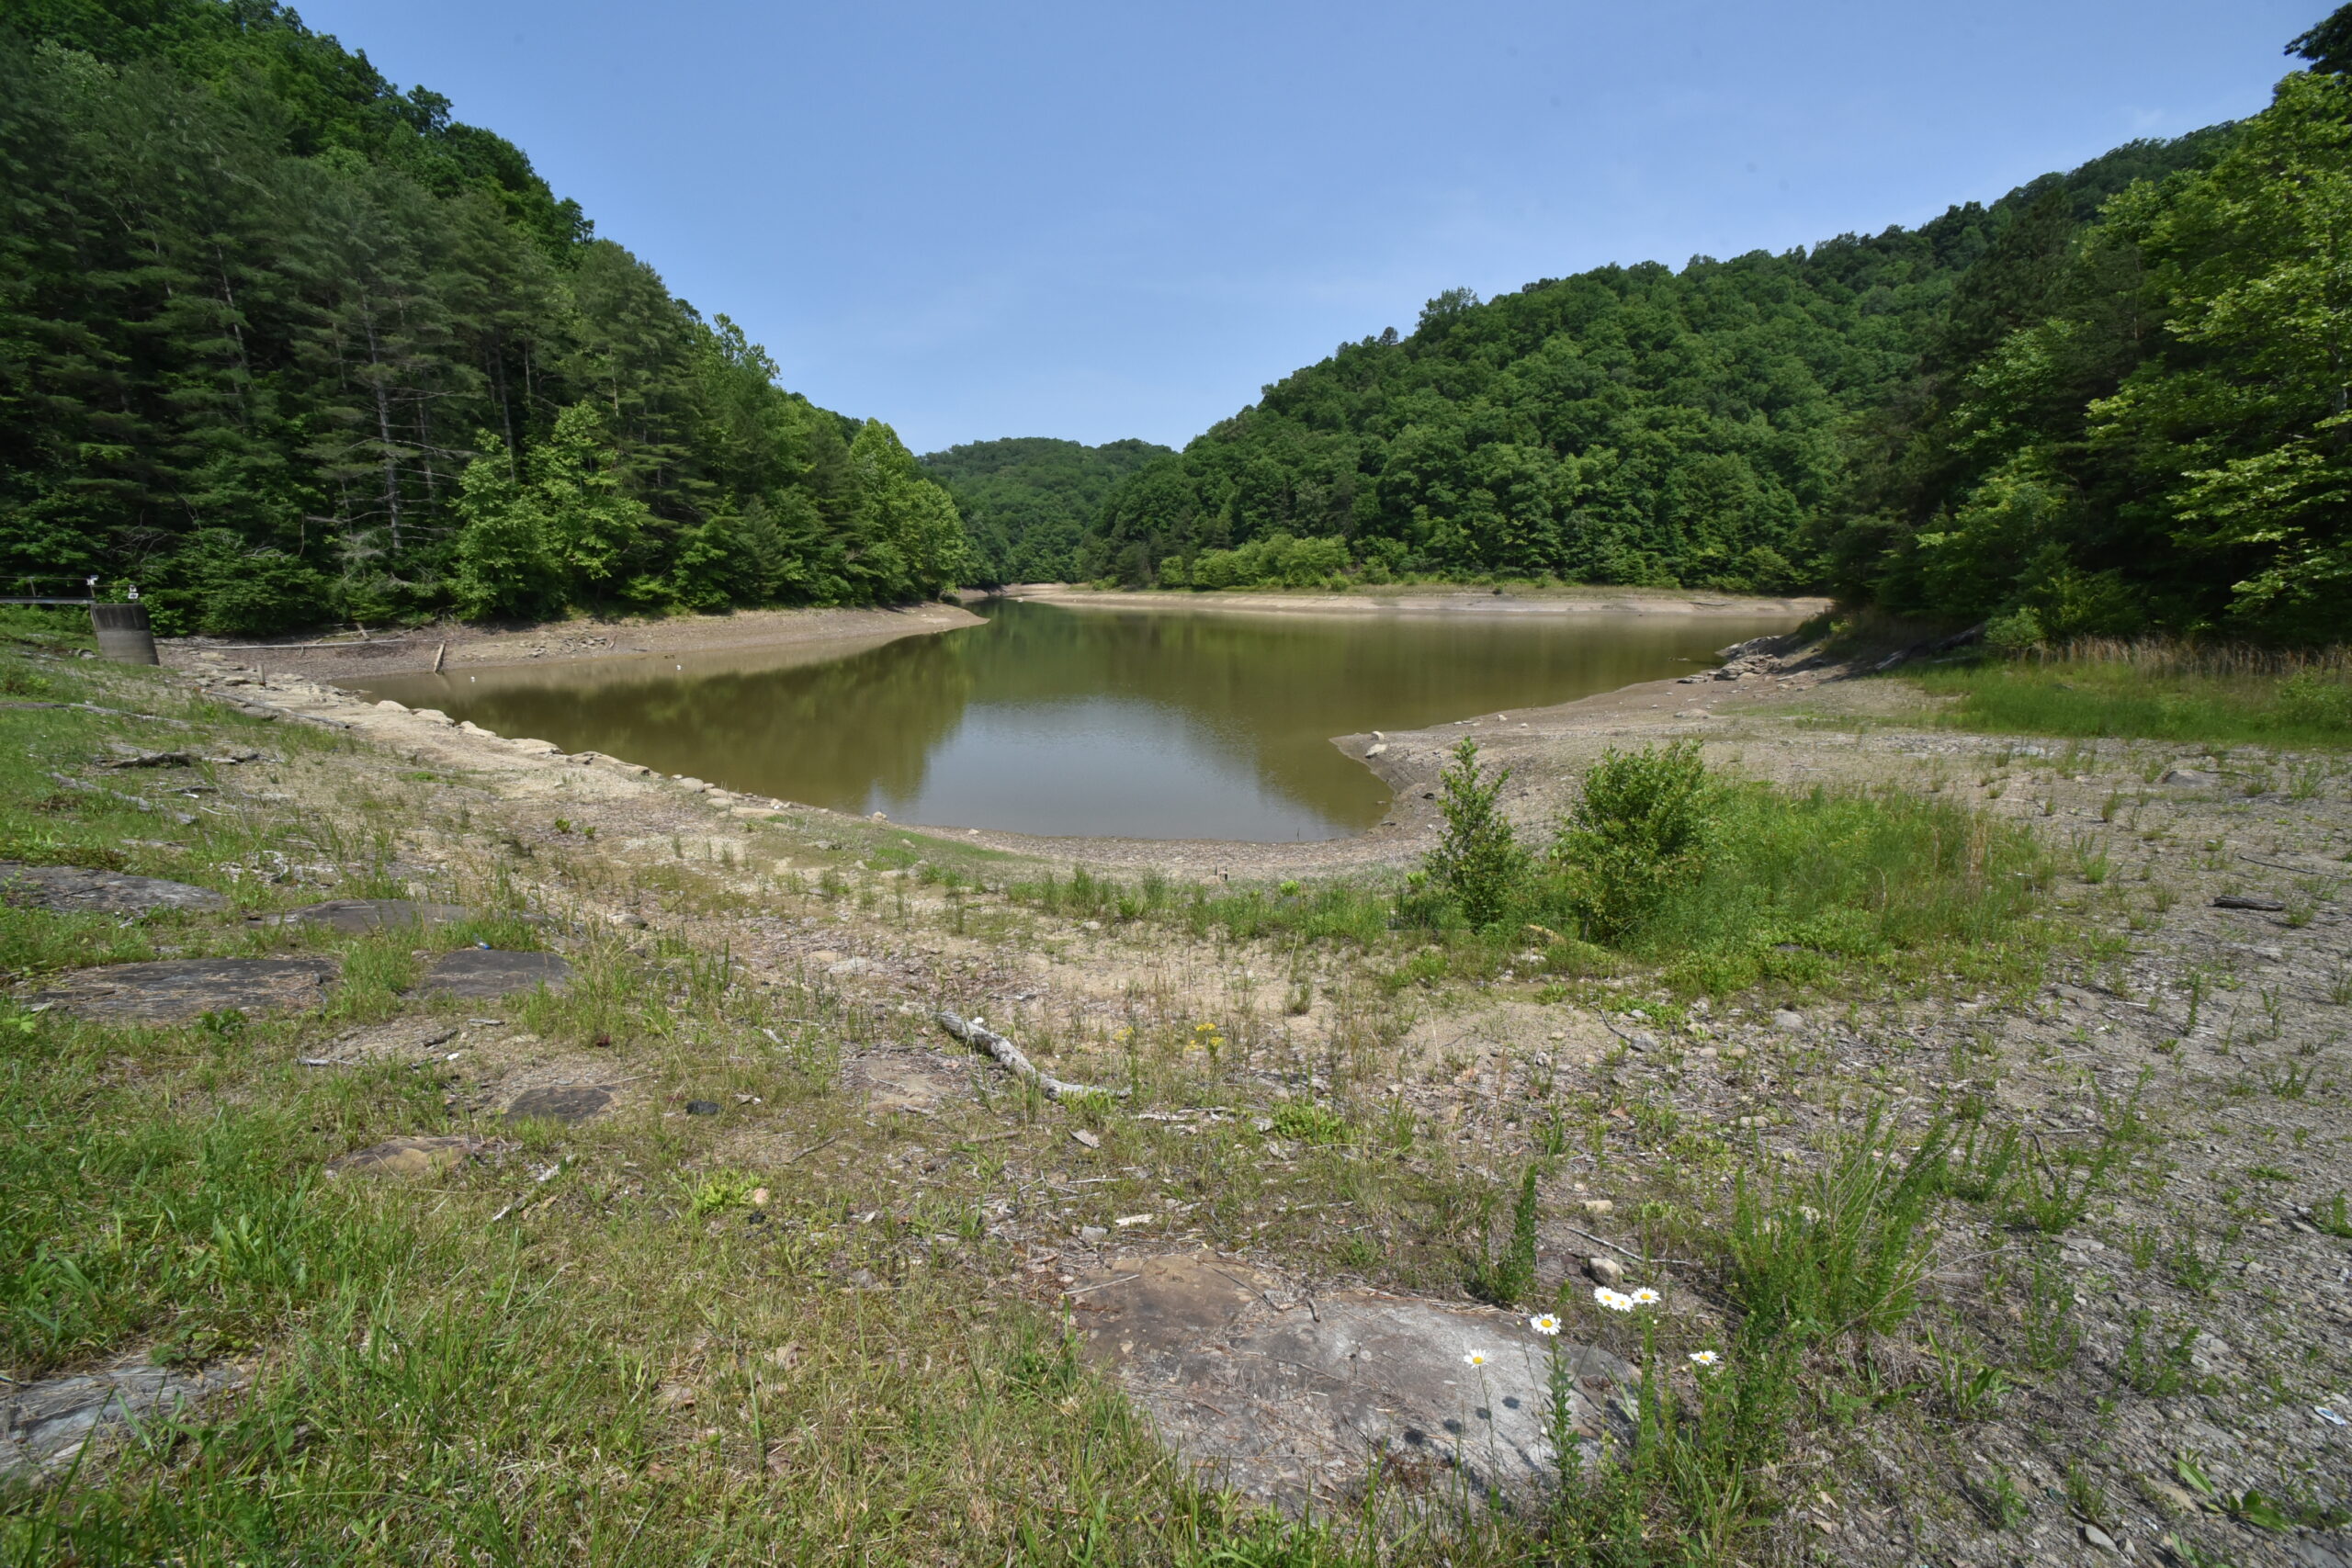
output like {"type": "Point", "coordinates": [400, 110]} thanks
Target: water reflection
{"type": "Point", "coordinates": [1165, 724]}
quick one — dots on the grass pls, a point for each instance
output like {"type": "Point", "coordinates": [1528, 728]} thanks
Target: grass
{"type": "Point", "coordinates": [2154, 692]}
{"type": "Point", "coordinates": [1826, 890]}
{"type": "Point", "coordinates": [814, 1332]}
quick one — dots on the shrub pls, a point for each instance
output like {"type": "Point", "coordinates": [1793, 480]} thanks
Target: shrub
{"type": "Point", "coordinates": [1641, 829]}
{"type": "Point", "coordinates": [1479, 866]}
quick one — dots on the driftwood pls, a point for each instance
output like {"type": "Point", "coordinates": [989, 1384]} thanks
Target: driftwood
{"type": "Point", "coordinates": [1009, 1055]}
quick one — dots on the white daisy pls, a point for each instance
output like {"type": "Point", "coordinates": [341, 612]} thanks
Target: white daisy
{"type": "Point", "coordinates": [1645, 1297]}
{"type": "Point", "coordinates": [1547, 1324]}
{"type": "Point", "coordinates": [1474, 1357]}
{"type": "Point", "coordinates": [1615, 1301]}
{"type": "Point", "coordinates": [1706, 1359]}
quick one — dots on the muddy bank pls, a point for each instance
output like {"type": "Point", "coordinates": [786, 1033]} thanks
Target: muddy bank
{"type": "Point", "coordinates": [358, 660]}
{"type": "Point", "coordinates": [1428, 602]}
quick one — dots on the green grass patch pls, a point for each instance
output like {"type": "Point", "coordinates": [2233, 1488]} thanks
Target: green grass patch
{"type": "Point", "coordinates": [2153, 693]}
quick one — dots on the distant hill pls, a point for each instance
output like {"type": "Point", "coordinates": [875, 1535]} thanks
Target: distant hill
{"type": "Point", "coordinates": [1028, 501]}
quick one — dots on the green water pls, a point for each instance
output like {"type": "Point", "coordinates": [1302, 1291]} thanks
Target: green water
{"type": "Point", "coordinates": [1157, 724]}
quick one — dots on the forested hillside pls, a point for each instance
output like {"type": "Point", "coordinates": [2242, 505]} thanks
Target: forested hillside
{"type": "Point", "coordinates": [282, 345]}
{"type": "Point", "coordinates": [2114, 400]}
{"type": "Point", "coordinates": [1630, 424]}
{"type": "Point", "coordinates": [1027, 502]}
{"type": "Point", "coordinates": [2141, 423]}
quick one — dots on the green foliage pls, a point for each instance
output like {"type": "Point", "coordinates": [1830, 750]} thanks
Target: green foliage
{"type": "Point", "coordinates": [1505, 1280]}
{"type": "Point", "coordinates": [1844, 1250]}
{"type": "Point", "coordinates": [2145, 693]}
{"type": "Point", "coordinates": [1629, 425]}
{"type": "Point", "coordinates": [307, 348]}
{"type": "Point", "coordinates": [1027, 501]}
{"type": "Point", "coordinates": [1479, 865]}
{"type": "Point", "coordinates": [1639, 829]}
{"type": "Point", "coordinates": [1311, 1123]}
{"type": "Point", "coordinates": [2152, 434]}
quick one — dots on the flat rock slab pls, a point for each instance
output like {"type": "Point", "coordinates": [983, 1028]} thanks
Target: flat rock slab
{"type": "Point", "coordinates": [364, 915]}
{"type": "Point", "coordinates": [43, 1426]}
{"type": "Point", "coordinates": [494, 971]}
{"type": "Point", "coordinates": [1287, 1398]}
{"type": "Point", "coordinates": [914, 1082]}
{"type": "Point", "coordinates": [68, 889]}
{"type": "Point", "coordinates": [571, 1104]}
{"type": "Point", "coordinates": [178, 989]}
{"type": "Point", "coordinates": [406, 1156]}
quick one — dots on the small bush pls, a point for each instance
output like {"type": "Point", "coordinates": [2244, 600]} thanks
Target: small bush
{"type": "Point", "coordinates": [1640, 830]}
{"type": "Point", "coordinates": [1479, 866]}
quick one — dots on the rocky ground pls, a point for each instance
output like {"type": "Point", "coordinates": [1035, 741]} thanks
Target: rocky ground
{"type": "Point", "coordinates": [1308, 1149]}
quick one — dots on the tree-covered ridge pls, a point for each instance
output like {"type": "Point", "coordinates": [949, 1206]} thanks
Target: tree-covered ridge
{"type": "Point", "coordinates": [1028, 501]}
{"type": "Point", "coordinates": [1630, 424]}
{"type": "Point", "coordinates": [2160, 438]}
{"type": "Point", "coordinates": [282, 345]}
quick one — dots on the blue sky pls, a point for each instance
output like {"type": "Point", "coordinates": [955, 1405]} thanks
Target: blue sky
{"type": "Point", "coordinates": [1101, 219]}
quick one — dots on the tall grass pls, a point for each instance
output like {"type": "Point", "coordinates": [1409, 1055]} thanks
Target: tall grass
{"type": "Point", "coordinates": [2155, 691]}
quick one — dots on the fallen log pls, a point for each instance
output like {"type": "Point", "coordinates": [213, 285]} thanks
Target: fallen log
{"type": "Point", "coordinates": [1010, 1056]}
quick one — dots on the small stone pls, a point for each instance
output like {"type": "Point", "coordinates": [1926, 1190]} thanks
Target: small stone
{"type": "Point", "coordinates": [2100, 1538]}
{"type": "Point", "coordinates": [2233, 901]}
{"type": "Point", "coordinates": [390, 706]}
{"type": "Point", "coordinates": [702, 1108]}
{"type": "Point", "coordinates": [759, 1197]}
{"type": "Point", "coordinates": [1787, 1021]}
{"type": "Point", "coordinates": [676, 1396]}
{"type": "Point", "coordinates": [1081, 1135]}
{"type": "Point", "coordinates": [1605, 1272]}
{"type": "Point", "coordinates": [1090, 925]}
{"type": "Point", "coordinates": [1599, 1207]}
{"type": "Point", "coordinates": [1093, 1236]}
{"type": "Point", "coordinates": [1374, 751]}
{"type": "Point", "coordinates": [569, 1104]}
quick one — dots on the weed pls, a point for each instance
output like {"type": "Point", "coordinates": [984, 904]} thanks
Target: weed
{"type": "Point", "coordinates": [1478, 863]}
{"type": "Point", "coordinates": [1846, 1250]}
{"type": "Point", "coordinates": [1308, 1123]}
{"type": "Point", "coordinates": [2163, 1367]}
{"type": "Point", "coordinates": [1505, 1280]}
{"type": "Point", "coordinates": [1969, 1388]}
{"type": "Point", "coordinates": [2051, 1336]}
{"type": "Point", "coordinates": [2334, 1218]}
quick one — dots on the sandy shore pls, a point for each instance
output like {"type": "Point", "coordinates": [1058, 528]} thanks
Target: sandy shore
{"type": "Point", "coordinates": [357, 660]}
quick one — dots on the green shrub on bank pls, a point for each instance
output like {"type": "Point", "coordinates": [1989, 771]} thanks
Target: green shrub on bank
{"type": "Point", "coordinates": [1724, 884]}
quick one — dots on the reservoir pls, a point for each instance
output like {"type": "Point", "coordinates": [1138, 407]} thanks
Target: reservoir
{"type": "Point", "coordinates": [1150, 723]}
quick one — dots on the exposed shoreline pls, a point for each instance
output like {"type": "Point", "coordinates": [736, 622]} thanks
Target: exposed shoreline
{"type": "Point", "coordinates": [1423, 600]}
{"type": "Point", "coordinates": [1545, 746]}
{"type": "Point", "coordinates": [360, 660]}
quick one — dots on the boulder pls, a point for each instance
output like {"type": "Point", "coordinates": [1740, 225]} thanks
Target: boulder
{"type": "Point", "coordinates": [1285, 1397]}
{"type": "Point", "coordinates": [177, 990]}
{"type": "Point", "coordinates": [70, 889]}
